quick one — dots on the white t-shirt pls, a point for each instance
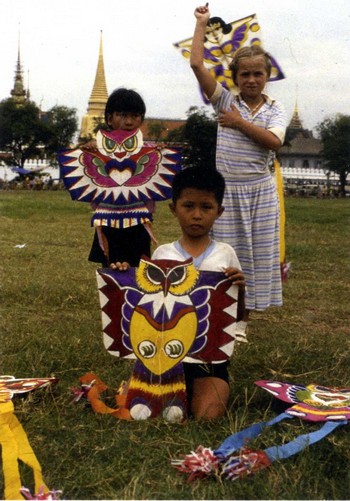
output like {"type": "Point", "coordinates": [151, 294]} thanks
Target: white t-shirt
{"type": "Point", "coordinates": [216, 257]}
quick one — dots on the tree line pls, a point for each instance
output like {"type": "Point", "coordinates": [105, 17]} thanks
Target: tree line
{"type": "Point", "coordinates": [26, 132]}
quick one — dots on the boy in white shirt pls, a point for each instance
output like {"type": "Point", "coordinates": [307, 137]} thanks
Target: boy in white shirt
{"type": "Point", "coordinates": [197, 203]}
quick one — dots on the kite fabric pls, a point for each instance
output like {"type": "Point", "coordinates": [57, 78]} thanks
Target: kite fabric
{"type": "Point", "coordinates": [122, 170]}
{"type": "Point", "coordinates": [13, 439]}
{"type": "Point", "coordinates": [222, 41]}
{"type": "Point", "coordinates": [162, 314]}
{"type": "Point", "coordinates": [234, 460]}
{"type": "Point", "coordinates": [282, 219]}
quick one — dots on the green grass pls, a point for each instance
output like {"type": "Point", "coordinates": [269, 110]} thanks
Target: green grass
{"type": "Point", "coordinates": [50, 325]}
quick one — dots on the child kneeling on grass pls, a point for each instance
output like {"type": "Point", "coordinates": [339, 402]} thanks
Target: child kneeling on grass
{"type": "Point", "coordinates": [197, 203]}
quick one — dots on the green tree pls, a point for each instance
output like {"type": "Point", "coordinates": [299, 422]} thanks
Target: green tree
{"type": "Point", "coordinates": [156, 129]}
{"type": "Point", "coordinates": [26, 132]}
{"type": "Point", "coordinates": [198, 137]}
{"type": "Point", "coordinates": [63, 124]}
{"type": "Point", "coordinates": [335, 136]}
{"type": "Point", "coordinates": [22, 132]}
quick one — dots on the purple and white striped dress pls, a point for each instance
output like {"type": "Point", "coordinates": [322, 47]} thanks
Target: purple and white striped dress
{"type": "Point", "coordinates": [250, 222]}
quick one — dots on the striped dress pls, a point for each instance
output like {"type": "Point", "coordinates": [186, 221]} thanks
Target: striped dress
{"type": "Point", "coordinates": [250, 222]}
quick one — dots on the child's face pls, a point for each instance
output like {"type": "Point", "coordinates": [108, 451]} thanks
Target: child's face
{"type": "Point", "coordinates": [196, 211]}
{"type": "Point", "coordinates": [120, 120]}
{"type": "Point", "coordinates": [251, 76]}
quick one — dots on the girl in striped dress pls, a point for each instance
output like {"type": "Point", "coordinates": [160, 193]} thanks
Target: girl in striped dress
{"type": "Point", "coordinates": [251, 127]}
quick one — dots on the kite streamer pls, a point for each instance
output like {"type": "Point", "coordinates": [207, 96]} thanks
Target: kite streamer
{"type": "Point", "coordinates": [13, 439]}
{"type": "Point", "coordinates": [234, 460]}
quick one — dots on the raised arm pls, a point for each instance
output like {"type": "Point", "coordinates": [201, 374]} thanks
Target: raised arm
{"type": "Point", "coordinates": [205, 79]}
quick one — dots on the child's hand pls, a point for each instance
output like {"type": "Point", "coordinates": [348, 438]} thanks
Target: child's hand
{"type": "Point", "coordinates": [202, 13]}
{"type": "Point", "coordinates": [229, 118]}
{"type": "Point", "coordinates": [235, 275]}
{"type": "Point", "coordinates": [124, 266]}
{"type": "Point", "coordinates": [90, 145]}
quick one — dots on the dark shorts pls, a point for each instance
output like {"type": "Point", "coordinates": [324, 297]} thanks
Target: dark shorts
{"type": "Point", "coordinates": [194, 371]}
{"type": "Point", "coordinates": [125, 244]}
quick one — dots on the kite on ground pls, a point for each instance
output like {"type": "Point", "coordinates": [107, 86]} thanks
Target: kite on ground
{"type": "Point", "coordinates": [233, 459]}
{"type": "Point", "coordinates": [14, 441]}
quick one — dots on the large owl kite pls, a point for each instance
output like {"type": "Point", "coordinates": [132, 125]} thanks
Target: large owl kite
{"type": "Point", "coordinates": [122, 170]}
{"type": "Point", "coordinates": [312, 403]}
{"type": "Point", "coordinates": [222, 41]}
{"type": "Point", "coordinates": [164, 313]}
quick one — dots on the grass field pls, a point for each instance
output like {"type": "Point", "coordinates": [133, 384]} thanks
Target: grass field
{"type": "Point", "coordinates": [50, 325]}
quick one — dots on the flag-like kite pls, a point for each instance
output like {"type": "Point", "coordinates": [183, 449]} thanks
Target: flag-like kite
{"type": "Point", "coordinates": [233, 459]}
{"type": "Point", "coordinates": [222, 41]}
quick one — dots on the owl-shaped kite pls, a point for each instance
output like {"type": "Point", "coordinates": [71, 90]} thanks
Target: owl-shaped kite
{"type": "Point", "coordinates": [163, 313]}
{"type": "Point", "coordinates": [122, 170]}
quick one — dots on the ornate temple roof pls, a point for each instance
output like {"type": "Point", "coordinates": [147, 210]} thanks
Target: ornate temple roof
{"type": "Point", "coordinates": [18, 93]}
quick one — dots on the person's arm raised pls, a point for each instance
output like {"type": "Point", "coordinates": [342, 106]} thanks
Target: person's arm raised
{"type": "Point", "coordinates": [205, 79]}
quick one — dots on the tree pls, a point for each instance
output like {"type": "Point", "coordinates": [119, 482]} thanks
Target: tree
{"type": "Point", "coordinates": [63, 124]}
{"type": "Point", "coordinates": [198, 136]}
{"type": "Point", "coordinates": [22, 133]}
{"type": "Point", "coordinates": [156, 129]}
{"type": "Point", "coordinates": [335, 136]}
{"type": "Point", "coordinates": [26, 132]}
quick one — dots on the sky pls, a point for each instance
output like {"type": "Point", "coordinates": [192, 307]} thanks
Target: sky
{"type": "Point", "coordinates": [59, 43]}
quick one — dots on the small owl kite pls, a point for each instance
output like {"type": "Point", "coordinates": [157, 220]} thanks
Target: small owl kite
{"type": "Point", "coordinates": [122, 170]}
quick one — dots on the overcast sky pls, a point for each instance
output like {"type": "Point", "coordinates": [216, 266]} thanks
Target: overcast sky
{"type": "Point", "coordinates": [60, 40]}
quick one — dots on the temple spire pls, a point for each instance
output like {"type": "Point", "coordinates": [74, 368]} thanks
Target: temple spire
{"type": "Point", "coordinates": [98, 98]}
{"type": "Point", "coordinates": [295, 122]}
{"type": "Point", "coordinates": [18, 93]}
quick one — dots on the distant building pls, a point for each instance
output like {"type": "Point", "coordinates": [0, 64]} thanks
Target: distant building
{"type": "Point", "coordinates": [18, 93]}
{"type": "Point", "coordinates": [152, 128]}
{"type": "Point", "coordinates": [301, 154]}
{"type": "Point", "coordinates": [97, 101]}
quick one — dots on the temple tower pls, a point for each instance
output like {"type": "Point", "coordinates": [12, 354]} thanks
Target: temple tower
{"type": "Point", "coordinates": [97, 101]}
{"type": "Point", "coordinates": [18, 93]}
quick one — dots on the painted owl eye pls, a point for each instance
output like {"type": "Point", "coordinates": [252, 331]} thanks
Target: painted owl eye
{"type": "Point", "coordinates": [177, 275]}
{"type": "Point", "coordinates": [130, 144]}
{"type": "Point", "coordinates": [174, 348]}
{"type": "Point", "coordinates": [147, 349]}
{"type": "Point", "coordinates": [109, 145]}
{"type": "Point", "coordinates": [155, 275]}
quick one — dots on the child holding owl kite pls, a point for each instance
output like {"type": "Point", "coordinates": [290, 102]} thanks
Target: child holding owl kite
{"type": "Point", "coordinates": [122, 233]}
{"type": "Point", "coordinates": [197, 204]}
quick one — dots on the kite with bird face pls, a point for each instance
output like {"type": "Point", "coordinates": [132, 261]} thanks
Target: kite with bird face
{"type": "Point", "coordinates": [222, 41]}
{"type": "Point", "coordinates": [233, 459]}
{"type": "Point", "coordinates": [122, 170]}
{"type": "Point", "coordinates": [164, 313]}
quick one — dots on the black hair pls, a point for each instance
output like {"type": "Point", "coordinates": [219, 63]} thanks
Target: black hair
{"type": "Point", "coordinates": [201, 178]}
{"type": "Point", "coordinates": [125, 100]}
